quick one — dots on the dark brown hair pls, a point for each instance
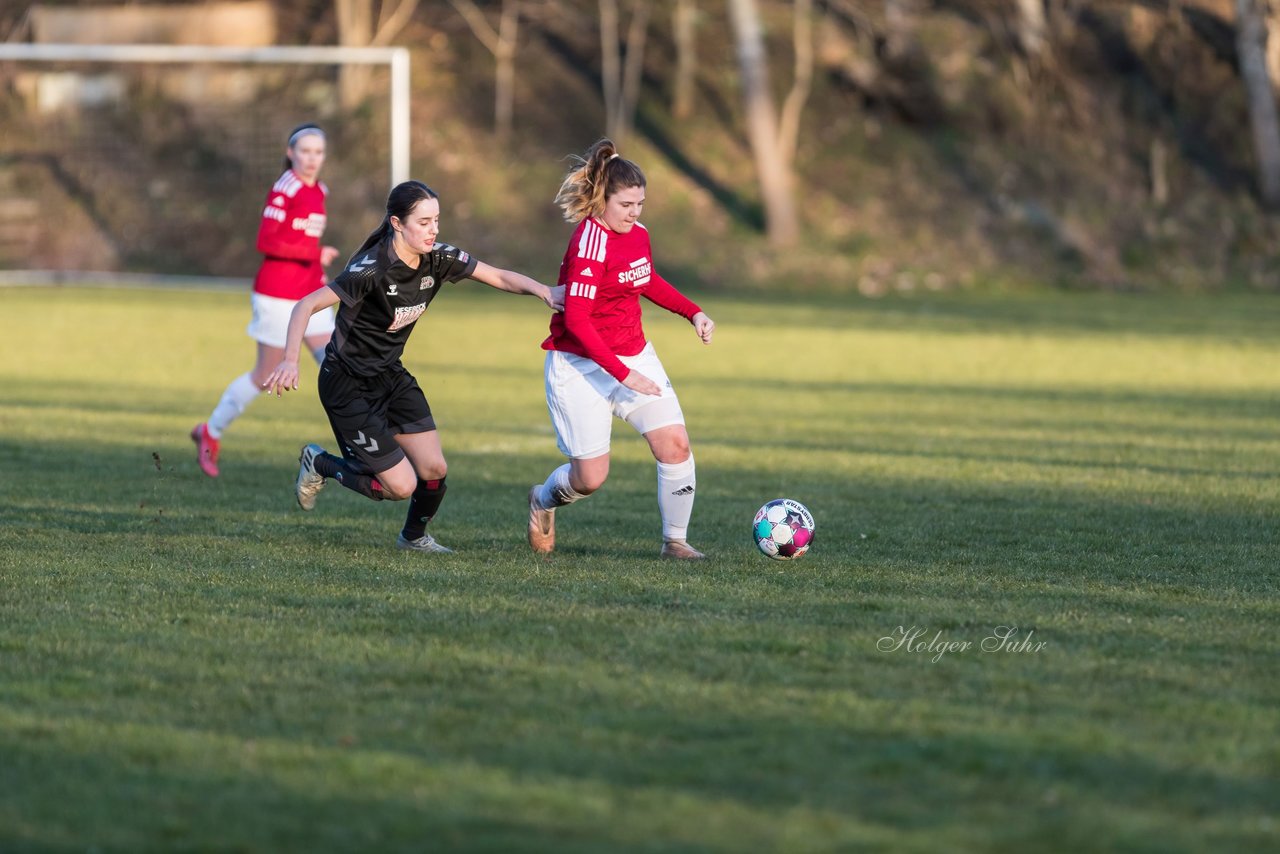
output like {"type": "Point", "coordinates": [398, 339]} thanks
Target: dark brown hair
{"type": "Point", "coordinates": [402, 199]}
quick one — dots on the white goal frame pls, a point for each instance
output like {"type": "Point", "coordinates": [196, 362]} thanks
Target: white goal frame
{"type": "Point", "coordinates": [396, 58]}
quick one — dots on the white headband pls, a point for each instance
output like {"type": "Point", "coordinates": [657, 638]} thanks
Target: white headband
{"type": "Point", "coordinates": [293, 140]}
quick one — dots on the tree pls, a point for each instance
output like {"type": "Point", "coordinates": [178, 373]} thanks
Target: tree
{"type": "Point", "coordinates": [684, 27]}
{"type": "Point", "coordinates": [621, 83]}
{"type": "Point", "coordinates": [502, 44]}
{"type": "Point", "coordinates": [1251, 49]}
{"type": "Point", "coordinates": [358, 28]}
{"type": "Point", "coordinates": [773, 147]}
{"type": "Point", "coordinates": [1032, 29]}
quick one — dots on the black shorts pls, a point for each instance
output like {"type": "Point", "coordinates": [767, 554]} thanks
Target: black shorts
{"type": "Point", "coordinates": [367, 413]}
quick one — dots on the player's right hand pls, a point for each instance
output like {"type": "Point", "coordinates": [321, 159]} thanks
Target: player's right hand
{"type": "Point", "coordinates": [283, 378]}
{"type": "Point", "coordinates": [637, 381]}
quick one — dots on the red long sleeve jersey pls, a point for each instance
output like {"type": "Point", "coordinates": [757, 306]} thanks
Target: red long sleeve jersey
{"type": "Point", "coordinates": [293, 221]}
{"type": "Point", "coordinates": [605, 273]}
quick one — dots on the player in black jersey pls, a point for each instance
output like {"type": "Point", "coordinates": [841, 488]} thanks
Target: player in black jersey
{"type": "Point", "coordinates": [380, 417]}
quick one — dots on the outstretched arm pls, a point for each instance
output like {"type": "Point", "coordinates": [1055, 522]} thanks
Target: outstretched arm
{"type": "Point", "coordinates": [663, 293]}
{"type": "Point", "coordinates": [285, 376]}
{"type": "Point", "coordinates": [518, 283]}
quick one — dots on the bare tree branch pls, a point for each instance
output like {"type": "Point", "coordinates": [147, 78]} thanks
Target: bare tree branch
{"type": "Point", "coordinates": [390, 26]}
{"type": "Point", "coordinates": [789, 124]}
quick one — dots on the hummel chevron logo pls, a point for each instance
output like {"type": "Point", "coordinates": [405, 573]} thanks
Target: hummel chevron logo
{"type": "Point", "coordinates": [361, 265]}
{"type": "Point", "coordinates": [684, 490]}
{"type": "Point", "coordinates": [370, 444]}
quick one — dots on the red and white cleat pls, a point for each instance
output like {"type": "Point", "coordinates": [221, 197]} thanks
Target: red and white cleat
{"type": "Point", "coordinates": [206, 449]}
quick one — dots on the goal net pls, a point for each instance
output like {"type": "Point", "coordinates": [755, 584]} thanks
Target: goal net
{"type": "Point", "coordinates": [156, 159]}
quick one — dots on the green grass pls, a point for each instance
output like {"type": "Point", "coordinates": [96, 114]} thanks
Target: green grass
{"type": "Point", "coordinates": [196, 664]}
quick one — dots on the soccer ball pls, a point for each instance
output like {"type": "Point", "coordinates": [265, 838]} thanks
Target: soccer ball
{"type": "Point", "coordinates": [783, 529]}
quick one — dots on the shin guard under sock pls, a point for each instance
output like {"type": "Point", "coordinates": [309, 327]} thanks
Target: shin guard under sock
{"type": "Point", "coordinates": [423, 505]}
{"type": "Point", "coordinates": [350, 473]}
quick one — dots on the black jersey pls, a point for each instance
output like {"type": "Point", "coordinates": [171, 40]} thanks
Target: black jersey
{"type": "Point", "coordinates": [382, 298]}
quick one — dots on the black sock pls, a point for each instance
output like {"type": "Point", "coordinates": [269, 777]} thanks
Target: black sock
{"type": "Point", "coordinates": [350, 473]}
{"type": "Point", "coordinates": [422, 506]}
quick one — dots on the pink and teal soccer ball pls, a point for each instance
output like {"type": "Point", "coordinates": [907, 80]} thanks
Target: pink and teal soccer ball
{"type": "Point", "coordinates": [783, 529]}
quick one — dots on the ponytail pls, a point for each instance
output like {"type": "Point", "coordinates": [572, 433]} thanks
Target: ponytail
{"type": "Point", "coordinates": [400, 202]}
{"type": "Point", "coordinates": [594, 178]}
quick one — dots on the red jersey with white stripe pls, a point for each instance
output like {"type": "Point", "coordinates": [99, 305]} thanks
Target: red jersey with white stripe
{"type": "Point", "coordinates": [605, 273]}
{"type": "Point", "coordinates": [293, 221]}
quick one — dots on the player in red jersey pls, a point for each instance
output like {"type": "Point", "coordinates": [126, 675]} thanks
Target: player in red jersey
{"type": "Point", "coordinates": [599, 364]}
{"type": "Point", "coordinates": [380, 417]}
{"type": "Point", "coordinates": [293, 221]}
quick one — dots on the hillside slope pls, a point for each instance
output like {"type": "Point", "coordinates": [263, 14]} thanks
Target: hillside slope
{"type": "Point", "coordinates": [933, 156]}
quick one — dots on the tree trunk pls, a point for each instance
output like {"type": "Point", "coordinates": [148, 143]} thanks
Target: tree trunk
{"type": "Point", "coordinates": [502, 44]}
{"type": "Point", "coordinates": [1032, 29]}
{"type": "Point", "coordinates": [633, 69]}
{"type": "Point", "coordinates": [610, 65]}
{"type": "Point", "coordinates": [684, 25]}
{"type": "Point", "coordinates": [773, 172]}
{"type": "Point", "coordinates": [789, 129]}
{"type": "Point", "coordinates": [504, 92]}
{"type": "Point", "coordinates": [1250, 38]}
{"type": "Point", "coordinates": [355, 29]}
{"type": "Point", "coordinates": [1271, 19]}
{"type": "Point", "coordinates": [899, 28]}
{"type": "Point", "coordinates": [620, 79]}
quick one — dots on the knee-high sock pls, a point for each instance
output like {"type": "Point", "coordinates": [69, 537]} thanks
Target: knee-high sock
{"type": "Point", "coordinates": [557, 492]}
{"type": "Point", "coordinates": [235, 400]}
{"type": "Point", "coordinates": [350, 473]}
{"type": "Point", "coordinates": [423, 505]}
{"type": "Point", "coordinates": [676, 486]}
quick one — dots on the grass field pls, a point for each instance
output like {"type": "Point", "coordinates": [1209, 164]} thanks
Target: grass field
{"type": "Point", "coordinates": [196, 664]}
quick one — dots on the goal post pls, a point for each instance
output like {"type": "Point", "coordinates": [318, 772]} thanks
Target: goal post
{"type": "Point", "coordinates": [396, 58]}
{"type": "Point", "coordinates": [154, 158]}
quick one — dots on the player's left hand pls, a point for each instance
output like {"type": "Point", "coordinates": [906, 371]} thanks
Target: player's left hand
{"type": "Point", "coordinates": [327, 254]}
{"type": "Point", "coordinates": [555, 298]}
{"type": "Point", "coordinates": [283, 378]}
{"type": "Point", "coordinates": [704, 326]}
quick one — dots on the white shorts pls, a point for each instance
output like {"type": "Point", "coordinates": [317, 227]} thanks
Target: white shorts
{"type": "Point", "coordinates": [270, 323]}
{"type": "Point", "coordinates": [583, 399]}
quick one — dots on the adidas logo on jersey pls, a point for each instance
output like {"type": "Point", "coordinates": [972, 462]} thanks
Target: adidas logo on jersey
{"type": "Point", "coordinates": [587, 272]}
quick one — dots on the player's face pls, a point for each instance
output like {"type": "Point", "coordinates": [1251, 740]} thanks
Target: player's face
{"type": "Point", "coordinates": [622, 209]}
{"type": "Point", "coordinates": [420, 227]}
{"type": "Point", "coordinates": [307, 155]}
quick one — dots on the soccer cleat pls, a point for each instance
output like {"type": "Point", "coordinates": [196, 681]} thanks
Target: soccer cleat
{"type": "Point", "coordinates": [309, 481]}
{"type": "Point", "coordinates": [680, 550]}
{"type": "Point", "coordinates": [206, 449]}
{"type": "Point", "coordinates": [542, 525]}
{"type": "Point", "coordinates": [425, 543]}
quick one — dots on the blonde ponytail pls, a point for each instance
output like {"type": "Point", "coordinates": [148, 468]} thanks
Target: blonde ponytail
{"type": "Point", "coordinates": [593, 179]}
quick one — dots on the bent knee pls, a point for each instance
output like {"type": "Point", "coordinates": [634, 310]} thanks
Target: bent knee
{"type": "Point", "coordinates": [589, 482]}
{"type": "Point", "coordinates": [397, 486]}
{"type": "Point", "coordinates": [432, 471]}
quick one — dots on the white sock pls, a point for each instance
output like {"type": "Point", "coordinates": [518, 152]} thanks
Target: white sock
{"type": "Point", "coordinates": [235, 400]}
{"type": "Point", "coordinates": [676, 483]}
{"type": "Point", "coordinates": [557, 492]}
